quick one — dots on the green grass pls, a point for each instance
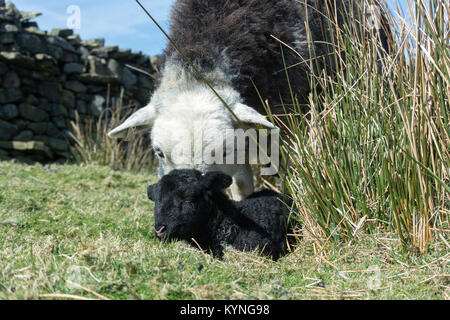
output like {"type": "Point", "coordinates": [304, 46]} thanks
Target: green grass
{"type": "Point", "coordinates": [62, 227]}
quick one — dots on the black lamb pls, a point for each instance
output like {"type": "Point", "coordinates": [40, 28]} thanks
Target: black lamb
{"type": "Point", "coordinates": [194, 207]}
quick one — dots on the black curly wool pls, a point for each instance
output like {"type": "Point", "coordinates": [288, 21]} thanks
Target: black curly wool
{"type": "Point", "coordinates": [192, 207]}
{"type": "Point", "coordinates": [237, 37]}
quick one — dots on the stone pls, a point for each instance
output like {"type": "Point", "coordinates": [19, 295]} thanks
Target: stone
{"type": "Point", "coordinates": [55, 51]}
{"type": "Point", "coordinates": [58, 144]}
{"type": "Point", "coordinates": [47, 64]}
{"type": "Point", "coordinates": [31, 99]}
{"type": "Point", "coordinates": [81, 106]}
{"type": "Point", "coordinates": [8, 111]}
{"type": "Point", "coordinates": [36, 147]}
{"type": "Point", "coordinates": [32, 113]}
{"type": "Point", "coordinates": [115, 67]}
{"type": "Point", "coordinates": [4, 155]}
{"type": "Point", "coordinates": [38, 127]}
{"type": "Point", "coordinates": [25, 16]}
{"type": "Point", "coordinates": [143, 59]}
{"type": "Point", "coordinates": [72, 67]}
{"type": "Point", "coordinates": [51, 90]}
{"type": "Point", "coordinates": [68, 98]}
{"type": "Point", "coordinates": [155, 62]}
{"type": "Point", "coordinates": [93, 43]}
{"type": "Point", "coordinates": [30, 42]}
{"type": "Point", "coordinates": [52, 130]}
{"type": "Point", "coordinates": [95, 89]}
{"type": "Point", "coordinates": [44, 104]}
{"type": "Point", "coordinates": [72, 114]}
{"type": "Point", "coordinates": [100, 52]}
{"type": "Point", "coordinates": [11, 10]}
{"type": "Point", "coordinates": [11, 28]}
{"type": "Point", "coordinates": [59, 122]}
{"type": "Point", "coordinates": [35, 30]}
{"type": "Point", "coordinates": [45, 57]}
{"type": "Point", "coordinates": [121, 54]}
{"type": "Point", "coordinates": [75, 86]}
{"type": "Point", "coordinates": [26, 135]}
{"type": "Point", "coordinates": [6, 38]}
{"type": "Point", "coordinates": [29, 24]}
{"type": "Point", "coordinates": [98, 78]}
{"type": "Point", "coordinates": [3, 68]}
{"type": "Point", "coordinates": [145, 82]}
{"type": "Point", "coordinates": [98, 72]}
{"type": "Point", "coordinates": [10, 95]}
{"type": "Point", "coordinates": [17, 58]}
{"type": "Point", "coordinates": [61, 42]}
{"type": "Point", "coordinates": [11, 80]}
{"type": "Point", "coordinates": [20, 123]}
{"type": "Point", "coordinates": [7, 130]}
{"type": "Point", "coordinates": [83, 52]}
{"type": "Point", "coordinates": [58, 110]}
{"type": "Point", "coordinates": [129, 79]}
{"type": "Point", "coordinates": [70, 57]}
{"type": "Point", "coordinates": [74, 40]}
{"type": "Point", "coordinates": [63, 33]}
{"type": "Point", "coordinates": [43, 139]}
{"type": "Point", "coordinates": [97, 105]}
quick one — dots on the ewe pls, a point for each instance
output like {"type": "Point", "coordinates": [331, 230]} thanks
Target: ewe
{"type": "Point", "coordinates": [194, 207]}
{"type": "Point", "coordinates": [234, 45]}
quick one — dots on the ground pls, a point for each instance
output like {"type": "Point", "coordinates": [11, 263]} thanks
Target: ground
{"type": "Point", "coordinates": [80, 232]}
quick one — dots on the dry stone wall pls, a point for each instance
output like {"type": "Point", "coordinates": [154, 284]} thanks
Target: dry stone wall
{"type": "Point", "coordinates": [45, 77]}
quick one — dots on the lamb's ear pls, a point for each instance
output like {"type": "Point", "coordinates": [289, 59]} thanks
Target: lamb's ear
{"type": "Point", "coordinates": [216, 180]}
{"type": "Point", "coordinates": [141, 120]}
{"type": "Point", "coordinates": [248, 115]}
{"type": "Point", "coordinates": [150, 192]}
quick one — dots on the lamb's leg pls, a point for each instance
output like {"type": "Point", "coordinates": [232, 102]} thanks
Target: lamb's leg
{"type": "Point", "coordinates": [242, 185]}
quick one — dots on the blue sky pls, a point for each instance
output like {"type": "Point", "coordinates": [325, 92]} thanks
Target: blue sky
{"type": "Point", "coordinates": [120, 22]}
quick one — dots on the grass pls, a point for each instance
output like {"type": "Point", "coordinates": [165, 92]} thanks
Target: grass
{"type": "Point", "coordinates": [369, 177]}
{"type": "Point", "coordinates": [372, 155]}
{"type": "Point", "coordinates": [85, 232]}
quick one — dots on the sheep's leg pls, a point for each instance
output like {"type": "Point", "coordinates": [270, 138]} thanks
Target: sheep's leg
{"type": "Point", "coordinates": [242, 185]}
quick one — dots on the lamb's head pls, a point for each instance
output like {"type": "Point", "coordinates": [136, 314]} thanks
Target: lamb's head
{"type": "Point", "coordinates": [183, 203]}
{"type": "Point", "coordinates": [189, 128]}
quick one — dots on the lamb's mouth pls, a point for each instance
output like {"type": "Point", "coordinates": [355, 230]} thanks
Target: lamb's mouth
{"type": "Point", "coordinates": [159, 233]}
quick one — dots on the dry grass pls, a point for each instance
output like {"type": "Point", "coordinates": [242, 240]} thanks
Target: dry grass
{"type": "Point", "coordinates": [92, 144]}
{"type": "Point", "coordinates": [373, 153]}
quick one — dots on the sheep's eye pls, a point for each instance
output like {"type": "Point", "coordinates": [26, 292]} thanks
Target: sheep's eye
{"type": "Point", "coordinates": [159, 153]}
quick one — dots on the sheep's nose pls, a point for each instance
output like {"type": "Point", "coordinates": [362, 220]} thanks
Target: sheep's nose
{"type": "Point", "coordinates": [160, 232]}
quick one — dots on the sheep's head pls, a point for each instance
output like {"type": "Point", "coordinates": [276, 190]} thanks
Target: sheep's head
{"type": "Point", "coordinates": [183, 202]}
{"type": "Point", "coordinates": [190, 127]}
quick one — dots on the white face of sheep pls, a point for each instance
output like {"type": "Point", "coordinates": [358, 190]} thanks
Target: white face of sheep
{"type": "Point", "coordinates": [191, 133]}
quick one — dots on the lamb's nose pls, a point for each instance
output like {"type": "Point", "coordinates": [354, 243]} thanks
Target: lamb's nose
{"type": "Point", "coordinates": [159, 233]}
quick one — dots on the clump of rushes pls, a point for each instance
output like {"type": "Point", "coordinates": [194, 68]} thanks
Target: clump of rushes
{"type": "Point", "coordinates": [92, 144]}
{"type": "Point", "coordinates": [373, 153]}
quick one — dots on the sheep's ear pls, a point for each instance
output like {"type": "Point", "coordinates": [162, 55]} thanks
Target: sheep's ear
{"type": "Point", "coordinates": [217, 180]}
{"type": "Point", "coordinates": [150, 192]}
{"type": "Point", "coordinates": [141, 120]}
{"type": "Point", "coordinates": [248, 115]}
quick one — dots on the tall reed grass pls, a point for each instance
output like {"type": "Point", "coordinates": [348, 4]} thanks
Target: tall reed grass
{"type": "Point", "coordinates": [373, 153]}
